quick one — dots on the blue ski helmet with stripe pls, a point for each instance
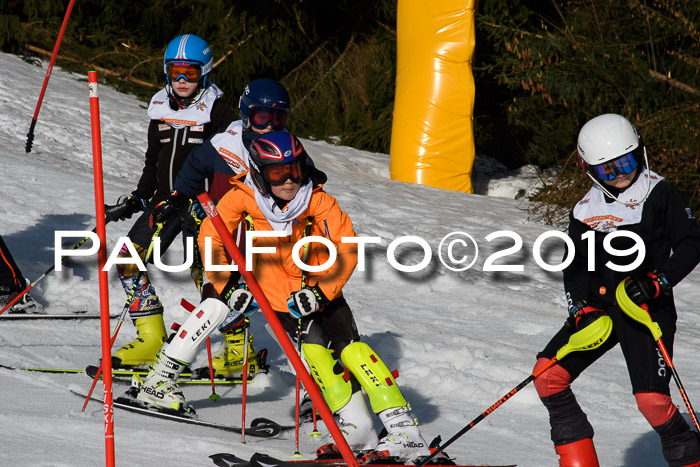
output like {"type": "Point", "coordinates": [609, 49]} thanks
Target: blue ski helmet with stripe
{"type": "Point", "coordinates": [193, 49]}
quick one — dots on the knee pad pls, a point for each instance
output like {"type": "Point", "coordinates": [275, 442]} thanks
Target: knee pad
{"type": "Point", "coordinates": [567, 421]}
{"type": "Point", "coordinates": [679, 445]}
{"type": "Point", "coordinates": [329, 375]}
{"type": "Point", "coordinates": [202, 321]}
{"type": "Point", "coordinates": [657, 408]}
{"type": "Point", "coordinates": [552, 381]}
{"type": "Point", "coordinates": [373, 375]}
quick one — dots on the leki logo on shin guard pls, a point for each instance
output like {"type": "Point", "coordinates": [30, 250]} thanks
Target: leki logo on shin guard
{"type": "Point", "coordinates": [201, 330]}
{"type": "Point", "coordinates": [370, 375]}
{"type": "Point", "coordinates": [317, 377]}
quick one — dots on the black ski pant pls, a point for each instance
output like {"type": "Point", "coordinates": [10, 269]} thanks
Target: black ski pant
{"type": "Point", "coordinates": [647, 371]}
{"type": "Point", "coordinates": [146, 302]}
{"type": "Point", "coordinates": [332, 327]}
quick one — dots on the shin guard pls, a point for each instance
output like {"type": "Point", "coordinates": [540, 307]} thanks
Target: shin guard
{"type": "Point", "coordinates": [373, 375]}
{"type": "Point", "coordinates": [197, 327]}
{"type": "Point", "coordinates": [329, 375]}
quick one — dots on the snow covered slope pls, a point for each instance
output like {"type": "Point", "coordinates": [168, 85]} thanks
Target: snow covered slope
{"type": "Point", "coordinates": [460, 340]}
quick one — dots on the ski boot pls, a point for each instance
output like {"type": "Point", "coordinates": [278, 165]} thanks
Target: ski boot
{"type": "Point", "coordinates": [142, 352]}
{"type": "Point", "coordinates": [356, 423]}
{"type": "Point", "coordinates": [160, 388]}
{"type": "Point", "coordinates": [24, 305]}
{"type": "Point", "coordinates": [580, 453]}
{"type": "Point", "coordinates": [403, 442]}
{"type": "Point", "coordinates": [228, 361]}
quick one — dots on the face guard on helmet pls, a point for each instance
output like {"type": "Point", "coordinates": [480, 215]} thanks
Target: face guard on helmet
{"type": "Point", "coordinates": [608, 146]}
{"type": "Point", "coordinates": [264, 104]}
{"type": "Point", "coordinates": [276, 157]}
{"type": "Point", "coordinates": [188, 56]}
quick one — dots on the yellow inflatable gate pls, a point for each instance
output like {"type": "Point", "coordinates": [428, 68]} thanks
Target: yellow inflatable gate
{"type": "Point", "coordinates": [432, 138]}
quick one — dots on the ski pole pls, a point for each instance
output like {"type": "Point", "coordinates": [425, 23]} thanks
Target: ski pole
{"type": "Point", "coordinates": [111, 343]}
{"type": "Point", "coordinates": [642, 315]}
{"type": "Point", "coordinates": [244, 396]}
{"type": "Point", "coordinates": [300, 334]}
{"type": "Point", "coordinates": [48, 271]}
{"type": "Point", "coordinates": [274, 322]}
{"type": "Point", "coordinates": [297, 390]}
{"type": "Point", "coordinates": [30, 134]}
{"type": "Point", "coordinates": [590, 337]}
{"type": "Point", "coordinates": [129, 299]}
{"type": "Point", "coordinates": [214, 396]}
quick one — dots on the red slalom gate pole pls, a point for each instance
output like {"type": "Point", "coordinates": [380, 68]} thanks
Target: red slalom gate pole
{"type": "Point", "coordinates": [279, 331]}
{"type": "Point", "coordinates": [102, 259]}
{"type": "Point", "coordinates": [30, 134]}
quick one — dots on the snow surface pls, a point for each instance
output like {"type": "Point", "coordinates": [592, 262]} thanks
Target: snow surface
{"type": "Point", "coordinates": [459, 340]}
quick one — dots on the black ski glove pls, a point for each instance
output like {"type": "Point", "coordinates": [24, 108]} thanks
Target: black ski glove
{"type": "Point", "coordinates": [163, 210]}
{"type": "Point", "coordinates": [126, 207]}
{"type": "Point", "coordinates": [581, 314]}
{"type": "Point", "coordinates": [642, 288]}
{"type": "Point", "coordinates": [306, 301]}
{"type": "Point", "coordinates": [194, 215]}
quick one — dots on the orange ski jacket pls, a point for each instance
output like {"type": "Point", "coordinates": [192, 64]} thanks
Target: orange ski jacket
{"type": "Point", "coordinates": [276, 272]}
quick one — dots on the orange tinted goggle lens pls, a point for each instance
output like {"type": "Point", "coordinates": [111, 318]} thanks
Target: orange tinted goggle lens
{"type": "Point", "coordinates": [278, 174]}
{"type": "Point", "coordinates": [188, 71]}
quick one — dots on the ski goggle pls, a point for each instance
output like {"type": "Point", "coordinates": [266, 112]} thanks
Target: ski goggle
{"type": "Point", "coordinates": [607, 171]}
{"type": "Point", "coordinates": [262, 117]}
{"type": "Point", "coordinates": [278, 174]}
{"type": "Point", "coordinates": [192, 72]}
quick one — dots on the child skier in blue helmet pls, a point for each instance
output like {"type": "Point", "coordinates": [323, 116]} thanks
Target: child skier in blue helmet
{"type": "Point", "coordinates": [184, 114]}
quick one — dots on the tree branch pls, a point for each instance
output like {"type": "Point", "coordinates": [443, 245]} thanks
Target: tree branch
{"type": "Point", "coordinates": [676, 84]}
{"type": "Point", "coordinates": [92, 66]}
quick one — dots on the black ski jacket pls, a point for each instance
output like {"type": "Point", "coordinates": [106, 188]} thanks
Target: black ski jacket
{"type": "Point", "coordinates": [168, 148]}
{"type": "Point", "coordinates": [671, 237]}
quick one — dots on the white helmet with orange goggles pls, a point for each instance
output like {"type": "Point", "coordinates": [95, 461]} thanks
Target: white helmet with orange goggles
{"type": "Point", "coordinates": [609, 146]}
{"type": "Point", "coordinates": [276, 157]}
{"type": "Point", "coordinates": [188, 56]}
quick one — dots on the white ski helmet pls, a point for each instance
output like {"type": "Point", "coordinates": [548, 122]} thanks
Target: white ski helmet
{"type": "Point", "coordinates": [606, 137]}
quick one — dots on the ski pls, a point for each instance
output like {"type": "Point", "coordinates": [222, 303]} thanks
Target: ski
{"type": "Point", "coordinates": [259, 427]}
{"type": "Point", "coordinates": [199, 376]}
{"type": "Point", "coordinates": [262, 460]}
{"type": "Point", "coordinates": [48, 316]}
{"type": "Point", "coordinates": [42, 370]}
{"type": "Point", "coordinates": [125, 376]}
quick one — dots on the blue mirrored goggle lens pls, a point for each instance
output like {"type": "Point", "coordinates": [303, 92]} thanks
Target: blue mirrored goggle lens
{"type": "Point", "coordinates": [622, 165]}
